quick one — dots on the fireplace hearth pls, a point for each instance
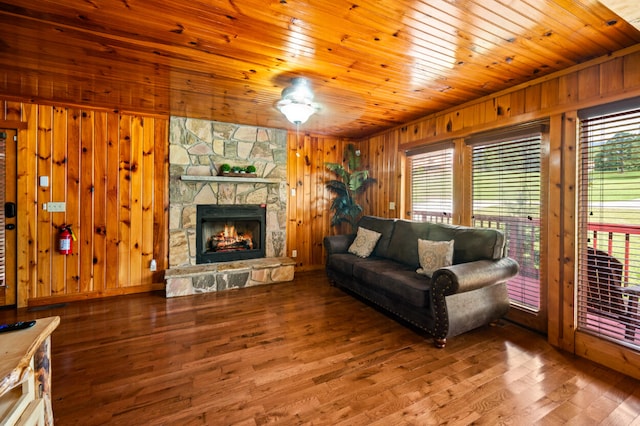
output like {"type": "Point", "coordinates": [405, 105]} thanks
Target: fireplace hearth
{"type": "Point", "coordinates": [230, 232]}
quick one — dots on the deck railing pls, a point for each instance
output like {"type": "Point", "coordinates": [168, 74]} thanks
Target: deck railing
{"type": "Point", "coordinates": [611, 233]}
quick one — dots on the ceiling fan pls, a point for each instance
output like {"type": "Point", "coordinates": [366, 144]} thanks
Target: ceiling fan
{"type": "Point", "coordinates": [296, 101]}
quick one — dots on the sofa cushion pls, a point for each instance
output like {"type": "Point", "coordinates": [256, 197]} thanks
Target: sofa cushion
{"type": "Point", "coordinates": [408, 286]}
{"type": "Point", "coordinates": [367, 272]}
{"type": "Point", "coordinates": [364, 243]}
{"type": "Point", "coordinates": [394, 280]}
{"type": "Point", "coordinates": [434, 255]}
{"type": "Point", "coordinates": [343, 262]}
{"type": "Point", "coordinates": [479, 244]}
{"type": "Point", "coordinates": [403, 246]}
{"type": "Point", "coordinates": [470, 244]}
{"type": "Point", "coordinates": [384, 227]}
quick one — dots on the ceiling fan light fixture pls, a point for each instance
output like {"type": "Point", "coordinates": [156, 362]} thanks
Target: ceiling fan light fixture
{"type": "Point", "coordinates": [297, 101]}
{"type": "Point", "coordinates": [297, 113]}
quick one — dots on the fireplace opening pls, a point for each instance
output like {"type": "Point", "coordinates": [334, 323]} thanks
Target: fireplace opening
{"type": "Point", "coordinates": [230, 232]}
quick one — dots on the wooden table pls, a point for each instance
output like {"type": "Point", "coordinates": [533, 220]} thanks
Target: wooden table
{"type": "Point", "coordinates": [25, 383]}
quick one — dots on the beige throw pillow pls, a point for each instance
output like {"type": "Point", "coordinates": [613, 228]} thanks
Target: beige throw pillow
{"type": "Point", "coordinates": [434, 255]}
{"type": "Point", "coordinates": [365, 242]}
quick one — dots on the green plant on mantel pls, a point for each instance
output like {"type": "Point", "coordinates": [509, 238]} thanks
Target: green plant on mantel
{"type": "Point", "coordinates": [350, 183]}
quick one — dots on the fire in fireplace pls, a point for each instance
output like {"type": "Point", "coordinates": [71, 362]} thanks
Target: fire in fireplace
{"type": "Point", "coordinates": [230, 232]}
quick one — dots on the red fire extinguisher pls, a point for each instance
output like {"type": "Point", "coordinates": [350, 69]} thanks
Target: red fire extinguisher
{"type": "Point", "coordinates": [65, 239]}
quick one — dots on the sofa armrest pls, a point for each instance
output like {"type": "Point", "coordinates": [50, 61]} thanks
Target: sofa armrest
{"type": "Point", "coordinates": [338, 243]}
{"type": "Point", "coordinates": [469, 276]}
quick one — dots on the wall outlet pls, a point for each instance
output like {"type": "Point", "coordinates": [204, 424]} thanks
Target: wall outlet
{"type": "Point", "coordinates": [392, 205]}
{"type": "Point", "coordinates": [153, 266]}
{"type": "Point", "coordinates": [294, 253]}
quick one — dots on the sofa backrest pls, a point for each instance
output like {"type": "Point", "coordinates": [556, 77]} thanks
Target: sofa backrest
{"type": "Point", "coordinates": [470, 243]}
{"type": "Point", "coordinates": [403, 246]}
{"type": "Point", "coordinates": [382, 225]}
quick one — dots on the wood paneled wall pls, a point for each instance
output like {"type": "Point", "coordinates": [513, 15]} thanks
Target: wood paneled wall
{"type": "Point", "coordinates": [111, 170]}
{"type": "Point", "coordinates": [309, 218]}
{"type": "Point", "coordinates": [557, 98]}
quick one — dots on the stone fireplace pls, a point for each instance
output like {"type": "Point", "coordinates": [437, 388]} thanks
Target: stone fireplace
{"type": "Point", "coordinates": [197, 150]}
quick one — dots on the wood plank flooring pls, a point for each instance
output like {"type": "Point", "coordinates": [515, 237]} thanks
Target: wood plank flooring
{"type": "Point", "coordinates": [307, 353]}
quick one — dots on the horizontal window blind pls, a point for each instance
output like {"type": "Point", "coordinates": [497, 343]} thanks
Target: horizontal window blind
{"type": "Point", "coordinates": [432, 185]}
{"type": "Point", "coordinates": [609, 224]}
{"type": "Point", "coordinates": [506, 195]}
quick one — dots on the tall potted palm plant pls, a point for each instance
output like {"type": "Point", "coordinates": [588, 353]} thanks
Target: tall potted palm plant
{"type": "Point", "coordinates": [349, 184]}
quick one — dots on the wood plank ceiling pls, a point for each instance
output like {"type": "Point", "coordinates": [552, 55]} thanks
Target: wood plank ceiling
{"type": "Point", "coordinates": [373, 64]}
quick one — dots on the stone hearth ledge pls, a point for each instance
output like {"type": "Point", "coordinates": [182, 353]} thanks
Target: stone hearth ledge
{"type": "Point", "coordinates": [211, 277]}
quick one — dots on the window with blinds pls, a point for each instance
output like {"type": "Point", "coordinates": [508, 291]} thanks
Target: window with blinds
{"type": "Point", "coordinates": [432, 185]}
{"type": "Point", "coordinates": [609, 223]}
{"type": "Point", "coordinates": [506, 195]}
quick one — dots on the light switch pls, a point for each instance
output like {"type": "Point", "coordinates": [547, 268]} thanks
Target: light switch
{"type": "Point", "coordinates": [44, 181]}
{"type": "Point", "coordinates": [56, 207]}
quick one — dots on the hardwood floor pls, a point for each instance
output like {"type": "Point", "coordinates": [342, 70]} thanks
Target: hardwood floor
{"type": "Point", "coordinates": [307, 353]}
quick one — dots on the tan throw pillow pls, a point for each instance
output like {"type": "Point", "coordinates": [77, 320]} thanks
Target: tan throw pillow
{"type": "Point", "coordinates": [434, 255]}
{"type": "Point", "coordinates": [365, 242]}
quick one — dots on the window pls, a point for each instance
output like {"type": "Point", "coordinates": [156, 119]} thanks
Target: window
{"type": "Point", "coordinates": [506, 195]}
{"type": "Point", "coordinates": [609, 223]}
{"type": "Point", "coordinates": [432, 185]}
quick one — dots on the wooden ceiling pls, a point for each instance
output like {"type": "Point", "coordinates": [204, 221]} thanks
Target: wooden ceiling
{"type": "Point", "coordinates": [373, 64]}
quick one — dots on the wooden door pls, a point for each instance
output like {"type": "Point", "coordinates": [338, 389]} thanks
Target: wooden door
{"type": "Point", "coordinates": [8, 219]}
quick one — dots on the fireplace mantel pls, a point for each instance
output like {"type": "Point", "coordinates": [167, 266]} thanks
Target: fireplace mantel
{"type": "Point", "coordinates": [224, 179]}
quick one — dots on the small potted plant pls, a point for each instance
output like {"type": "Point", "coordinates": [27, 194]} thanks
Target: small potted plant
{"type": "Point", "coordinates": [251, 169]}
{"type": "Point", "coordinates": [225, 168]}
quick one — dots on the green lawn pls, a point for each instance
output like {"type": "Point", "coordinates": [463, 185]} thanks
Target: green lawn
{"type": "Point", "coordinates": [615, 186]}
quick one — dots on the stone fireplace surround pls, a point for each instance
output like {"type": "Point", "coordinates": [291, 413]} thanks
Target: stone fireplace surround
{"type": "Point", "coordinates": [197, 149]}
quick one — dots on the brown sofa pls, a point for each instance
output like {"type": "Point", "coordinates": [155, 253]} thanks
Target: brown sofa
{"type": "Point", "coordinates": [470, 293]}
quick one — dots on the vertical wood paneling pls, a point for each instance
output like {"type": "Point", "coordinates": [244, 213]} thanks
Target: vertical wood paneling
{"type": "Point", "coordinates": [124, 235]}
{"type": "Point", "coordinates": [73, 203]}
{"type": "Point", "coordinates": [86, 185]}
{"type": "Point", "coordinates": [27, 207]}
{"type": "Point", "coordinates": [304, 231]}
{"type": "Point", "coordinates": [147, 213]}
{"type": "Point", "coordinates": [308, 210]}
{"type": "Point", "coordinates": [518, 103]}
{"type": "Point", "coordinates": [160, 199]}
{"type": "Point", "coordinates": [13, 111]}
{"type": "Point", "coordinates": [317, 226]}
{"type": "Point", "coordinates": [100, 211]}
{"type": "Point", "coordinates": [136, 228]}
{"type": "Point", "coordinates": [46, 132]}
{"type": "Point", "coordinates": [292, 188]}
{"type": "Point", "coordinates": [588, 83]}
{"type": "Point", "coordinates": [88, 160]}
{"type": "Point", "coordinates": [554, 248]}
{"type": "Point", "coordinates": [57, 279]}
{"type": "Point", "coordinates": [569, 201]}
{"type": "Point", "coordinates": [611, 76]}
{"type": "Point", "coordinates": [631, 70]}
{"type": "Point", "coordinates": [112, 222]}
{"type": "Point", "coordinates": [532, 98]}
{"type": "Point", "coordinates": [549, 93]}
